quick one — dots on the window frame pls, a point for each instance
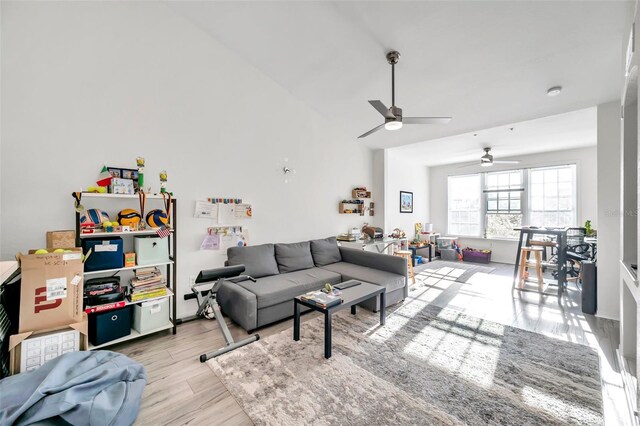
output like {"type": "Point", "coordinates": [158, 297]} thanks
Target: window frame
{"type": "Point", "coordinates": [524, 175]}
{"type": "Point", "coordinates": [524, 199]}
{"type": "Point", "coordinates": [481, 209]}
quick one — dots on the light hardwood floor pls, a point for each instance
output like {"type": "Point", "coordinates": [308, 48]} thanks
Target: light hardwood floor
{"type": "Point", "coordinates": [181, 390]}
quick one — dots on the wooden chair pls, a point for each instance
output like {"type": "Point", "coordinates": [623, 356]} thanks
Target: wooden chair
{"type": "Point", "coordinates": [526, 264]}
{"type": "Point", "coordinates": [407, 254]}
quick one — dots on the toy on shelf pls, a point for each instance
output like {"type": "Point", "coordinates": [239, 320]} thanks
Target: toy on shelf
{"type": "Point", "coordinates": [140, 165]}
{"type": "Point", "coordinates": [104, 179]}
{"type": "Point", "coordinates": [129, 217]}
{"type": "Point", "coordinates": [398, 233]}
{"type": "Point", "coordinates": [157, 218]}
{"type": "Point", "coordinates": [97, 189]}
{"type": "Point", "coordinates": [163, 181]}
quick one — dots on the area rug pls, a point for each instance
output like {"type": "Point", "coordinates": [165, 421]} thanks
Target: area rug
{"type": "Point", "coordinates": [426, 366]}
{"type": "Point", "coordinates": [452, 271]}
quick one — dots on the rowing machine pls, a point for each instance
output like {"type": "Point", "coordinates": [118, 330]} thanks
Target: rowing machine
{"type": "Point", "coordinates": [208, 305]}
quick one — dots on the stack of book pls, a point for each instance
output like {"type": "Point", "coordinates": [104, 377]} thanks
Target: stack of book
{"type": "Point", "coordinates": [148, 283]}
{"type": "Point", "coordinates": [321, 299]}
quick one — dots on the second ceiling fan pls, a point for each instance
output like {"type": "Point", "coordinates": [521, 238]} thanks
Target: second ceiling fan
{"type": "Point", "coordinates": [393, 118]}
{"type": "Point", "coordinates": [487, 160]}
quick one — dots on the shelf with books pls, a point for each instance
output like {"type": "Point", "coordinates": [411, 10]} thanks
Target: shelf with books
{"type": "Point", "coordinates": [129, 268]}
{"type": "Point", "coordinates": [134, 335]}
{"type": "Point", "coordinates": [121, 304]}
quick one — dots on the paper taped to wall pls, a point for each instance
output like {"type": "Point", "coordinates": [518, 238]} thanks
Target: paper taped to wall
{"type": "Point", "coordinates": [206, 210]}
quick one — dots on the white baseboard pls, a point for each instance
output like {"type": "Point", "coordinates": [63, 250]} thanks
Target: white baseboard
{"type": "Point", "coordinates": [607, 315]}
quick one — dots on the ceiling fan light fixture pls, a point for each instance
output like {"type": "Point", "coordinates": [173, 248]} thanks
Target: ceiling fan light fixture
{"type": "Point", "coordinates": [486, 164]}
{"type": "Point", "coordinates": [393, 125]}
{"type": "Point", "coordinates": [554, 91]}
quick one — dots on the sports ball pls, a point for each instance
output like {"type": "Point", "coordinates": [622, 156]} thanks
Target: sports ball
{"type": "Point", "coordinates": [41, 251]}
{"type": "Point", "coordinates": [129, 217]}
{"type": "Point", "coordinates": [93, 216]}
{"type": "Point", "coordinates": [157, 218]}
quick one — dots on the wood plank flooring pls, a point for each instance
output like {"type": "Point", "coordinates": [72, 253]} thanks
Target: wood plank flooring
{"type": "Point", "coordinates": [181, 390]}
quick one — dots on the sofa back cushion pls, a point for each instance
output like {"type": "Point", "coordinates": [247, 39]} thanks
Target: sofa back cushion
{"type": "Point", "coordinates": [259, 261]}
{"type": "Point", "coordinates": [294, 256]}
{"type": "Point", "coordinates": [325, 251]}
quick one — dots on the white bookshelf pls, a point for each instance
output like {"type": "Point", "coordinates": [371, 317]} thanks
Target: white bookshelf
{"type": "Point", "coordinates": [170, 265]}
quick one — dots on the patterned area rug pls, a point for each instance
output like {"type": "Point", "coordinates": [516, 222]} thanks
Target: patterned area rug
{"type": "Point", "coordinates": [426, 366]}
{"type": "Point", "coordinates": [451, 271]}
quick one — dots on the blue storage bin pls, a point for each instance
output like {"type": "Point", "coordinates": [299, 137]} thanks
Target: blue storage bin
{"type": "Point", "coordinates": [110, 325]}
{"type": "Point", "coordinates": [106, 253]}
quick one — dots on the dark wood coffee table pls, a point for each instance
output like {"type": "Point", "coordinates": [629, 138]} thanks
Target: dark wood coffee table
{"type": "Point", "coordinates": [351, 297]}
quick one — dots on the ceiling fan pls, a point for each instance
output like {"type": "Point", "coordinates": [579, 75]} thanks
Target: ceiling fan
{"type": "Point", "coordinates": [487, 160]}
{"type": "Point", "coordinates": [393, 119]}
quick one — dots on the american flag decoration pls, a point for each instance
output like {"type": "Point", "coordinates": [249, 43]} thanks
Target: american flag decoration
{"type": "Point", "coordinates": [163, 232]}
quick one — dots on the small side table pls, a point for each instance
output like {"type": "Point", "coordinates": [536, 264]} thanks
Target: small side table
{"type": "Point", "coordinates": [415, 249]}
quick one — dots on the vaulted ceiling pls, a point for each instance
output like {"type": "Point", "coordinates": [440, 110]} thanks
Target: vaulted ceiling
{"type": "Point", "coordinates": [484, 63]}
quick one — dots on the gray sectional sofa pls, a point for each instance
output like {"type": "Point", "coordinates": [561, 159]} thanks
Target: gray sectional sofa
{"type": "Point", "coordinates": [284, 271]}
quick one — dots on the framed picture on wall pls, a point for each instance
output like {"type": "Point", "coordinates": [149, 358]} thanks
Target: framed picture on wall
{"type": "Point", "coordinates": [406, 202]}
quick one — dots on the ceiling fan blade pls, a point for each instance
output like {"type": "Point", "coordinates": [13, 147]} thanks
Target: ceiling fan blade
{"type": "Point", "coordinates": [375, 129]}
{"type": "Point", "coordinates": [506, 162]}
{"type": "Point", "coordinates": [379, 106]}
{"type": "Point", "coordinates": [475, 163]}
{"type": "Point", "coordinates": [426, 120]}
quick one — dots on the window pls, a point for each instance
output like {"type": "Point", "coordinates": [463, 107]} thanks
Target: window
{"type": "Point", "coordinates": [492, 204]}
{"type": "Point", "coordinates": [503, 195]}
{"type": "Point", "coordinates": [552, 196]}
{"type": "Point", "coordinates": [465, 205]}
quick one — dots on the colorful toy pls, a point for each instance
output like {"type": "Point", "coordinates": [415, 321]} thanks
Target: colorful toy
{"type": "Point", "coordinates": [104, 178]}
{"type": "Point", "coordinates": [140, 164]}
{"type": "Point", "coordinates": [163, 181]}
{"type": "Point", "coordinates": [129, 217]}
{"type": "Point", "coordinates": [157, 218]}
{"type": "Point", "coordinates": [93, 217]}
{"type": "Point", "coordinates": [97, 189]}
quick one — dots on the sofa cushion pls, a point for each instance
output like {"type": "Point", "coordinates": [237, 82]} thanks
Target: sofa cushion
{"type": "Point", "coordinates": [276, 289]}
{"type": "Point", "coordinates": [294, 256]}
{"type": "Point", "coordinates": [350, 271]}
{"type": "Point", "coordinates": [259, 261]}
{"type": "Point", "coordinates": [325, 251]}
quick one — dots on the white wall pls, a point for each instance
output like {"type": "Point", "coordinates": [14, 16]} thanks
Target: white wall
{"type": "Point", "coordinates": [402, 174]}
{"type": "Point", "coordinates": [88, 83]}
{"type": "Point", "coordinates": [505, 250]}
{"type": "Point", "coordinates": [378, 189]}
{"type": "Point", "coordinates": [609, 206]}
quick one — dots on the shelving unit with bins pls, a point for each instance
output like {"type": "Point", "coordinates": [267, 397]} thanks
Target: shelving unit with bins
{"type": "Point", "coordinates": [170, 265]}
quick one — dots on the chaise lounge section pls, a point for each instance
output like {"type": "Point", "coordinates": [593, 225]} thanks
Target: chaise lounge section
{"type": "Point", "coordinates": [284, 271]}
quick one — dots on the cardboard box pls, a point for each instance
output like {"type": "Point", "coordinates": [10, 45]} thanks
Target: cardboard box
{"type": "Point", "coordinates": [16, 343]}
{"type": "Point", "coordinates": [61, 239]}
{"type": "Point", "coordinates": [51, 290]}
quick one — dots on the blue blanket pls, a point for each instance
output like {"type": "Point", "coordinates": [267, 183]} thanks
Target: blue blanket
{"type": "Point", "coordinates": [81, 388]}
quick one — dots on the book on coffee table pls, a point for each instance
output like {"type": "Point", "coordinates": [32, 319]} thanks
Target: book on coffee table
{"type": "Point", "coordinates": [321, 299]}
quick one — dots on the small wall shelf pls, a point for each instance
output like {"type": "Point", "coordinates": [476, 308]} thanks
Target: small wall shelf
{"type": "Point", "coordinates": [357, 193]}
{"type": "Point", "coordinates": [351, 208]}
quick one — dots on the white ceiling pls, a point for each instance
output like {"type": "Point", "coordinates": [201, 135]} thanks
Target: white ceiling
{"type": "Point", "coordinates": [484, 63]}
{"type": "Point", "coordinates": [575, 129]}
